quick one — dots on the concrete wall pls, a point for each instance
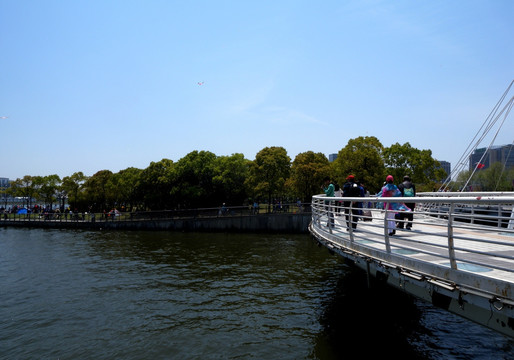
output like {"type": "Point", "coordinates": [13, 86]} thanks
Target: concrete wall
{"type": "Point", "coordinates": [276, 223]}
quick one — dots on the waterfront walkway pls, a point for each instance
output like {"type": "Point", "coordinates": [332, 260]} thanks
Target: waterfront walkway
{"type": "Point", "coordinates": [458, 255]}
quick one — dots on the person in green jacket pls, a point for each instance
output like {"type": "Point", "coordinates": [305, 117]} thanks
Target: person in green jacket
{"type": "Point", "coordinates": [329, 190]}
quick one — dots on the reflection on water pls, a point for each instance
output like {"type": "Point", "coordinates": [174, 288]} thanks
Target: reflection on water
{"type": "Point", "coordinates": [373, 322]}
{"type": "Point", "coordinates": [161, 295]}
{"type": "Point", "coordinates": [382, 320]}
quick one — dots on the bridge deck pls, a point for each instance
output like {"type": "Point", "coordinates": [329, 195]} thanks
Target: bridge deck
{"type": "Point", "coordinates": [428, 242]}
{"type": "Point", "coordinates": [459, 254]}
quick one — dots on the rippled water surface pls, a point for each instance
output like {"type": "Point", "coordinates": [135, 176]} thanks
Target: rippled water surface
{"type": "Point", "coordinates": [167, 295]}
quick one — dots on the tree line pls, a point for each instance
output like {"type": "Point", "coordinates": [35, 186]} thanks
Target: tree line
{"type": "Point", "coordinates": [202, 179]}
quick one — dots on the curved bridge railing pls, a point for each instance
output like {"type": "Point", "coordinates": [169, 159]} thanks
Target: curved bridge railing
{"type": "Point", "coordinates": [458, 255]}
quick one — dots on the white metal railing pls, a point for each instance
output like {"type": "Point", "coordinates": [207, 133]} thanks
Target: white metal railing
{"type": "Point", "coordinates": [464, 229]}
{"type": "Point", "coordinates": [459, 254]}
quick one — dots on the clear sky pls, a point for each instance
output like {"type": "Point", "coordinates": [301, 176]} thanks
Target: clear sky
{"type": "Point", "coordinates": [89, 85]}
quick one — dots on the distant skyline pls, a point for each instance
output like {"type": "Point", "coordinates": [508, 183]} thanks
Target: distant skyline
{"type": "Point", "coordinates": [94, 85]}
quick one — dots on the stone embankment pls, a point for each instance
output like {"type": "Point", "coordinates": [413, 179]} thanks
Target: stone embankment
{"type": "Point", "coordinates": [271, 223]}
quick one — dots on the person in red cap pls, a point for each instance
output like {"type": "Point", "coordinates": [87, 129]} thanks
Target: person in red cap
{"type": "Point", "coordinates": [351, 189]}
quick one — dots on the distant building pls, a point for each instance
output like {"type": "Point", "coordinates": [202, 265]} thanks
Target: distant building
{"type": "Point", "coordinates": [503, 154]}
{"type": "Point", "coordinates": [4, 182]}
{"type": "Point", "coordinates": [446, 166]}
{"type": "Point", "coordinates": [332, 157]}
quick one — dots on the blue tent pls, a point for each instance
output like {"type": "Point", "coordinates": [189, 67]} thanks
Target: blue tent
{"type": "Point", "coordinates": [22, 211]}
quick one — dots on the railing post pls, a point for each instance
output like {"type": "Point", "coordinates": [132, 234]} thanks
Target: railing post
{"type": "Point", "coordinates": [319, 211]}
{"type": "Point", "coordinates": [350, 221]}
{"type": "Point", "coordinates": [451, 245]}
{"type": "Point", "coordinates": [330, 216]}
{"type": "Point", "coordinates": [314, 211]}
{"type": "Point", "coordinates": [386, 229]}
{"type": "Point", "coordinates": [511, 220]}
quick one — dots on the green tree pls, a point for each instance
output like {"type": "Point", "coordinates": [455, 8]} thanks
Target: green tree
{"type": "Point", "coordinates": [26, 188]}
{"type": "Point", "coordinates": [362, 157]}
{"type": "Point", "coordinates": [424, 170]}
{"type": "Point", "coordinates": [37, 184]}
{"type": "Point", "coordinates": [459, 183]}
{"type": "Point", "coordinates": [268, 173]}
{"type": "Point", "coordinates": [307, 173]}
{"type": "Point", "coordinates": [123, 187]}
{"type": "Point", "coordinates": [507, 180]}
{"type": "Point", "coordinates": [16, 189]}
{"type": "Point", "coordinates": [96, 190]}
{"type": "Point", "coordinates": [230, 173]}
{"type": "Point", "coordinates": [48, 190]}
{"type": "Point", "coordinates": [10, 191]}
{"type": "Point", "coordinates": [71, 187]}
{"type": "Point", "coordinates": [494, 178]}
{"type": "Point", "coordinates": [193, 181]}
{"type": "Point", "coordinates": [155, 185]}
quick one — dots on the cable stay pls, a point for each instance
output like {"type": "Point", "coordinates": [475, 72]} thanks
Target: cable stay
{"type": "Point", "coordinates": [504, 167]}
{"type": "Point", "coordinates": [481, 134]}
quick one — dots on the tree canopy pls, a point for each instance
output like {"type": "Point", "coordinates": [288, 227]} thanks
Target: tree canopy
{"type": "Point", "coordinates": [230, 173]}
{"type": "Point", "coordinates": [401, 160]}
{"type": "Point", "coordinates": [155, 185]}
{"type": "Point", "coordinates": [268, 173]}
{"type": "Point", "coordinates": [362, 157]}
{"type": "Point", "coordinates": [307, 173]}
{"type": "Point", "coordinates": [203, 179]}
{"type": "Point", "coordinates": [193, 180]}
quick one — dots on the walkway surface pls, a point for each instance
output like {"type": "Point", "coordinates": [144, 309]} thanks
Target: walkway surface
{"type": "Point", "coordinates": [477, 250]}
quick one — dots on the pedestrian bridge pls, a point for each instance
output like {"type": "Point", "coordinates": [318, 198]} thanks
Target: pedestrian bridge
{"type": "Point", "coordinates": [459, 254]}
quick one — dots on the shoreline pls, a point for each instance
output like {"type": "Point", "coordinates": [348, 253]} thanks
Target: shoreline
{"type": "Point", "coordinates": [270, 223]}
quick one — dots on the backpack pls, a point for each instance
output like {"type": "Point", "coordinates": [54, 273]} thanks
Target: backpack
{"type": "Point", "coordinates": [354, 190]}
{"type": "Point", "coordinates": [408, 192]}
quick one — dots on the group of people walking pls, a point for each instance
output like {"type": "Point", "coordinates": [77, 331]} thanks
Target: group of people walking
{"type": "Point", "coordinates": [350, 189]}
{"type": "Point", "coordinates": [399, 215]}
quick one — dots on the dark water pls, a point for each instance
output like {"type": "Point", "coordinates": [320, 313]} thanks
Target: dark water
{"type": "Point", "coordinates": [160, 295]}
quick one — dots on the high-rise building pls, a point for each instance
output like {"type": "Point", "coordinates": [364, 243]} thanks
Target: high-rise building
{"type": "Point", "coordinates": [503, 154]}
{"type": "Point", "coordinates": [446, 166]}
{"type": "Point", "coordinates": [332, 157]}
{"type": "Point", "coordinates": [4, 182]}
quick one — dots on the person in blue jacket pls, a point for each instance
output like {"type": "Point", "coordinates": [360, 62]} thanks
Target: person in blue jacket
{"type": "Point", "coordinates": [391, 190]}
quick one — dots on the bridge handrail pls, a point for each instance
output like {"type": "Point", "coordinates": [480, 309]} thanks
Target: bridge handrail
{"type": "Point", "coordinates": [454, 220]}
{"type": "Point", "coordinates": [466, 193]}
{"type": "Point", "coordinates": [433, 206]}
{"type": "Point", "coordinates": [485, 197]}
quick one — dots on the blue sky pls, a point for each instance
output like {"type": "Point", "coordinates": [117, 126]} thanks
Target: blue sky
{"type": "Point", "coordinates": [89, 85]}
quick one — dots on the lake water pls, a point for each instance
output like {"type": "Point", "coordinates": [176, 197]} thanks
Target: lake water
{"type": "Point", "coordinates": [168, 295]}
